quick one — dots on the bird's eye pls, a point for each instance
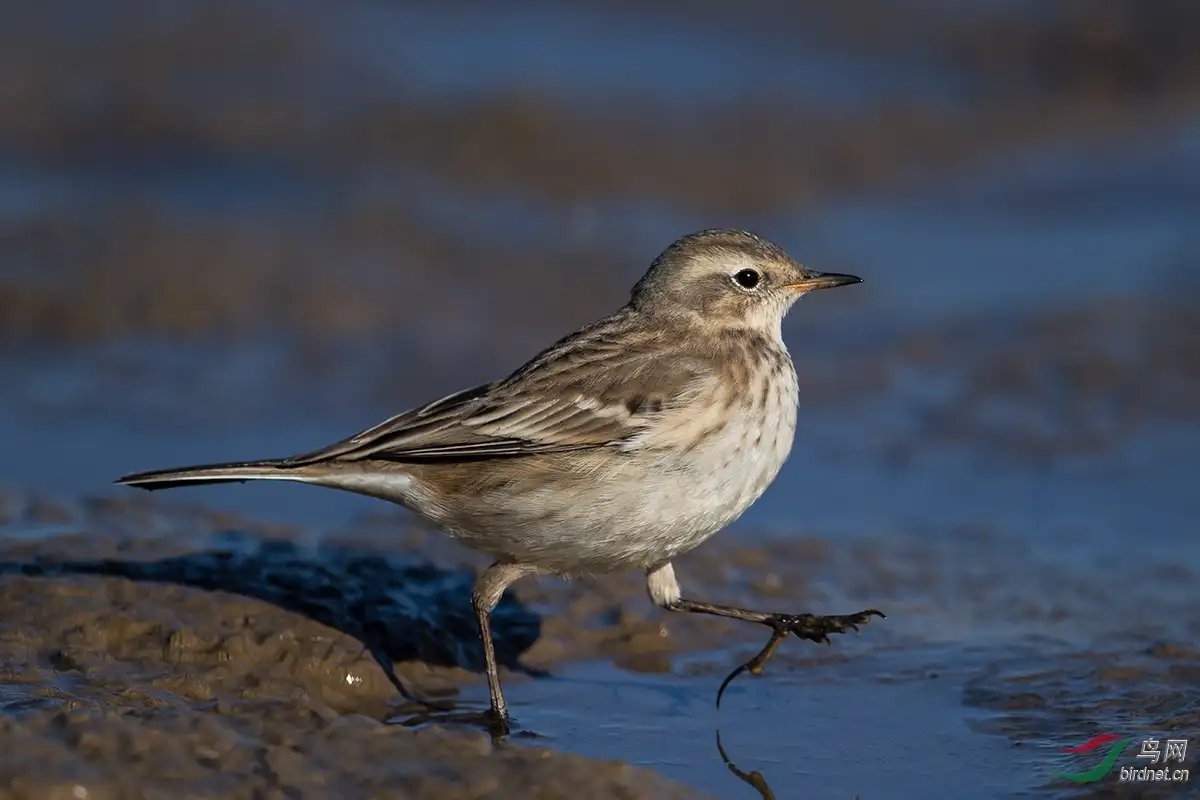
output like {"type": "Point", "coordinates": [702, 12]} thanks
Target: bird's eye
{"type": "Point", "coordinates": [747, 278]}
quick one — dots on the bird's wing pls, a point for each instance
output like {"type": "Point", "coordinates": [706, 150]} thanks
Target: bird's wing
{"type": "Point", "coordinates": [592, 396]}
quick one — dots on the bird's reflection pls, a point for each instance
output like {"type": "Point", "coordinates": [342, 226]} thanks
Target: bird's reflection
{"type": "Point", "coordinates": [754, 779]}
{"type": "Point", "coordinates": [443, 712]}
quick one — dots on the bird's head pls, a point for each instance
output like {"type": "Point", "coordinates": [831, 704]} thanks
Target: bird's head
{"type": "Point", "coordinates": [729, 278]}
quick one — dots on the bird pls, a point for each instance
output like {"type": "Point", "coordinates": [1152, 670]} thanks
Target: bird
{"type": "Point", "coordinates": [619, 447]}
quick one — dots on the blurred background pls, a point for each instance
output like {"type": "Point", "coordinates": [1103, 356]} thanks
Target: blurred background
{"type": "Point", "coordinates": [245, 228]}
{"type": "Point", "coordinates": [230, 229]}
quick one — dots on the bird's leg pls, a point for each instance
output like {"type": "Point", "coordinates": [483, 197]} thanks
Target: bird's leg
{"type": "Point", "coordinates": [664, 591]}
{"type": "Point", "coordinates": [489, 588]}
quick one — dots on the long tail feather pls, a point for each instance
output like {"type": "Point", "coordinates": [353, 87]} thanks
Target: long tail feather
{"type": "Point", "coordinates": [215, 473]}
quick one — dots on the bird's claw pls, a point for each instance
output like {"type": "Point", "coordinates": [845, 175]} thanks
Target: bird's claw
{"type": "Point", "coordinates": [813, 627]}
{"type": "Point", "coordinates": [816, 628]}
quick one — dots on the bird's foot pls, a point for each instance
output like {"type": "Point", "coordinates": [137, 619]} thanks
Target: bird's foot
{"type": "Point", "coordinates": [813, 627]}
{"type": "Point", "coordinates": [816, 628]}
{"type": "Point", "coordinates": [498, 725]}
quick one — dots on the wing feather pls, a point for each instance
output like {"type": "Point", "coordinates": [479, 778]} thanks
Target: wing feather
{"type": "Point", "coordinates": [608, 399]}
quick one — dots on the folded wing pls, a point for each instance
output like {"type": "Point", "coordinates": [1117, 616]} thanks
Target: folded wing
{"type": "Point", "coordinates": [583, 398]}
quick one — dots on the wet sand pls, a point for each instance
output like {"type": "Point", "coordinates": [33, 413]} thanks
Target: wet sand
{"type": "Point", "coordinates": [250, 668]}
{"type": "Point", "coordinates": [246, 661]}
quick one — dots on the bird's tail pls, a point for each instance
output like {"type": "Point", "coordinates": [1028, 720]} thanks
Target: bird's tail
{"type": "Point", "coordinates": [239, 472]}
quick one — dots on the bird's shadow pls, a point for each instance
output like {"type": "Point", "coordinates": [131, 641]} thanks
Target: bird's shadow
{"type": "Point", "coordinates": [398, 608]}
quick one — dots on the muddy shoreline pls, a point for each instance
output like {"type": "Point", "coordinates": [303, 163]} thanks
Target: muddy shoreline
{"type": "Point", "coordinates": [221, 657]}
{"type": "Point", "coordinates": [254, 669]}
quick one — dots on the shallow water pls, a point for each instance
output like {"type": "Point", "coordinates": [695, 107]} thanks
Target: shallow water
{"type": "Point", "coordinates": [824, 736]}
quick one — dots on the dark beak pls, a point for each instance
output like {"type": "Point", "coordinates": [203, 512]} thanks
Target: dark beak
{"type": "Point", "coordinates": [823, 280]}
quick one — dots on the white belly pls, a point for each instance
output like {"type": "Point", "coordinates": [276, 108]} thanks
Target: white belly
{"type": "Point", "coordinates": [682, 499]}
{"type": "Point", "coordinates": [721, 480]}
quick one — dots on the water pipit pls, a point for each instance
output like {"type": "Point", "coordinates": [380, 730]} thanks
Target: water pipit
{"type": "Point", "coordinates": [619, 447]}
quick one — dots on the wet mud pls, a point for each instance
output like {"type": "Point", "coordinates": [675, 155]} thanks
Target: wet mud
{"type": "Point", "coordinates": [249, 660]}
{"type": "Point", "coordinates": [253, 668]}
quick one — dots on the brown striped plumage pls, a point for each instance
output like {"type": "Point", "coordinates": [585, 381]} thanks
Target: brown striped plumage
{"type": "Point", "coordinates": [620, 446]}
